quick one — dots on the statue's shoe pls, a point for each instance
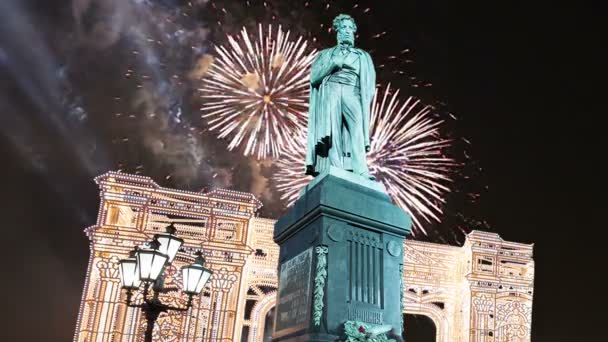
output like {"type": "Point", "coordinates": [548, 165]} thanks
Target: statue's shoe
{"type": "Point", "coordinates": [368, 176]}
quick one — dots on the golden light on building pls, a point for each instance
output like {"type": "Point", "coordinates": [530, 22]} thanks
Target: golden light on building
{"type": "Point", "coordinates": [481, 291]}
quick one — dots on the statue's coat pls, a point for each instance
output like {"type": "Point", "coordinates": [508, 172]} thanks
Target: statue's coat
{"type": "Point", "coordinates": [319, 121]}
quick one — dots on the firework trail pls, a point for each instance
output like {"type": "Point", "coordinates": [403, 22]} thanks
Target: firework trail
{"type": "Point", "coordinates": [256, 92]}
{"type": "Point", "coordinates": [407, 155]}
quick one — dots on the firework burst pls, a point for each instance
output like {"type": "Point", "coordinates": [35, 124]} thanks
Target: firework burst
{"type": "Point", "coordinates": [407, 155]}
{"type": "Point", "coordinates": [256, 92]}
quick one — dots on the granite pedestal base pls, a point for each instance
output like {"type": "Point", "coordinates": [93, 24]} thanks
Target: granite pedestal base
{"type": "Point", "coordinates": [341, 257]}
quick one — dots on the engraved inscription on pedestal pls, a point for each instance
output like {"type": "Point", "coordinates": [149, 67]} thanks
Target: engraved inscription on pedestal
{"type": "Point", "coordinates": [293, 302]}
{"type": "Point", "coordinates": [364, 315]}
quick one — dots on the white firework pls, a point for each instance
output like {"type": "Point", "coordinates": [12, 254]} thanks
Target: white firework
{"type": "Point", "coordinates": [407, 154]}
{"type": "Point", "coordinates": [256, 91]}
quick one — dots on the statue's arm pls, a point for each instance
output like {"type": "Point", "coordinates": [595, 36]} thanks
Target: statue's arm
{"type": "Point", "coordinates": [371, 89]}
{"type": "Point", "coordinates": [321, 67]}
{"type": "Point", "coordinates": [372, 76]}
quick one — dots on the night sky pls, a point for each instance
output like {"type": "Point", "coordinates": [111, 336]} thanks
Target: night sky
{"type": "Point", "coordinates": [519, 77]}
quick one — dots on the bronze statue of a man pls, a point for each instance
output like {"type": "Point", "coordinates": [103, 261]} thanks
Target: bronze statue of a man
{"type": "Point", "coordinates": [342, 84]}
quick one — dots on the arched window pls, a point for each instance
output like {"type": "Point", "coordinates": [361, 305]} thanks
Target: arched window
{"type": "Point", "coordinates": [268, 325]}
{"type": "Point", "coordinates": [419, 328]}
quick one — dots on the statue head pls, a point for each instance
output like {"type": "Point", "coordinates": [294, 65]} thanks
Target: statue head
{"type": "Point", "coordinates": [345, 28]}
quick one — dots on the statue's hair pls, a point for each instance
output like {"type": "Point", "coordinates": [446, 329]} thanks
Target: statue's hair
{"type": "Point", "coordinates": [339, 19]}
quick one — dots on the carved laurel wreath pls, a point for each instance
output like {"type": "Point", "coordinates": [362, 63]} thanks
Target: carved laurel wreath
{"type": "Point", "coordinates": [321, 275]}
{"type": "Point", "coordinates": [357, 331]}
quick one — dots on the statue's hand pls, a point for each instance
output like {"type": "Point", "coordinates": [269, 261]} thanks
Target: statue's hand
{"type": "Point", "coordinates": [336, 65]}
{"type": "Point", "coordinates": [338, 62]}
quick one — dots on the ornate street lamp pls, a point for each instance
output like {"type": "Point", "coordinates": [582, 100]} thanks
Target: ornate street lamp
{"type": "Point", "coordinates": [195, 276]}
{"type": "Point", "coordinates": [147, 265]}
{"type": "Point", "coordinates": [129, 272]}
{"type": "Point", "coordinates": [151, 262]}
{"type": "Point", "coordinates": [169, 242]}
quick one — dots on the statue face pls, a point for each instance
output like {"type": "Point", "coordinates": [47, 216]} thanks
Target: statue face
{"type": "Point", "coordinates": [346, 32]}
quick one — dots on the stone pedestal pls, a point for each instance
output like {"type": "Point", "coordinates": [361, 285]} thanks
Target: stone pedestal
{"type": "Point", "coordinates": [340, 260]}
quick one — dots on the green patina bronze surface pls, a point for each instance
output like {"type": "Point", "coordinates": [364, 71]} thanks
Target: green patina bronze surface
{"type": "Point", "coordinates": [356, 230]}
{"type": "Point", "coordinates": [342, 84]}
{"type": "Point", "coordinates": [356, 331]}
{"type": "Point", "coordinates": [359, 278]}
{"type": "Point", "coordinates": [401, 289]}
{"type": "Point", "coordinates": [319, 291]}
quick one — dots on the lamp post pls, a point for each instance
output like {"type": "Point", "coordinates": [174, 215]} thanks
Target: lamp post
{"type": "Point", "coordinates": [147, 265]}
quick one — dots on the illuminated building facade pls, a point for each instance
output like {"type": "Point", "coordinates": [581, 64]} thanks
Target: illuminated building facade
{"type": "Point", "coordinates": [481, 291]}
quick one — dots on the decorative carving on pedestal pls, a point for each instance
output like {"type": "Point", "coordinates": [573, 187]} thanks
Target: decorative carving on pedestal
{"type": "Point", "coordinates": [364, 256]}
{"type": "Point", "coordinates": [401, 292]}
{"type": "Point", "coordinates": [393, 248]}
{"type": "Point", "coordinates": [336, 232]}
{"type": "Point", "coordinates": [356, 331]}
{"type": "Point", "coordinates": [321, 275]}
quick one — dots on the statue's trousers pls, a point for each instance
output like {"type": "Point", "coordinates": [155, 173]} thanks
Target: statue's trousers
{"type": "Point", "coordinates": [348, 144]}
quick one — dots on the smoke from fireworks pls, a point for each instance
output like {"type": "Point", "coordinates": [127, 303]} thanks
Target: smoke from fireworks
{"type": "Point", "coordinates": [256, 92]}
{"type": "Point", "coordinates": [407, 155]}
